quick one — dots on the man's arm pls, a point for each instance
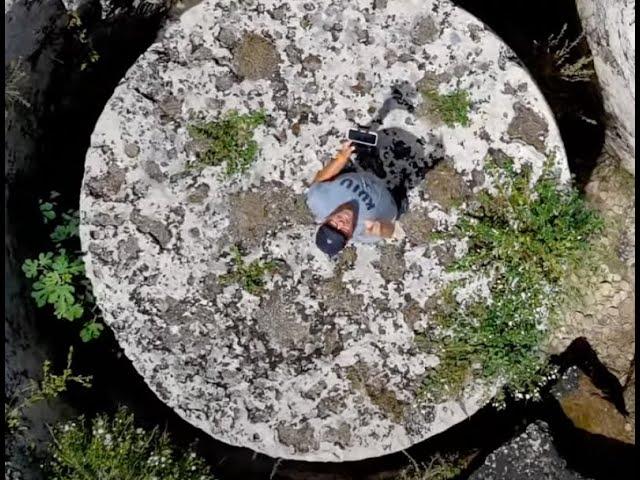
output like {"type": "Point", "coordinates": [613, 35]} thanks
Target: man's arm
{"type": "Point", "coordinates": [335, 166]}
{"type": "Point", "coordinates": [380, 228]}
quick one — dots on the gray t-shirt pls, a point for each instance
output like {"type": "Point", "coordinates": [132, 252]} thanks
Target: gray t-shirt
{"type": "Point", "coordinates": [374, 202]}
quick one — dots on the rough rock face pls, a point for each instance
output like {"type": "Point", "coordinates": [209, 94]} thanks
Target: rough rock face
{"type": "Point", "coordinates": [610, 29]}
{"type": "Point", "coordinates": [589, 408]}
{"type": "Point", "coordinates": [320, 364]}
{"type": "Point", "coordinates": [529, 456]}
{"type": "Point", "coordinates": [604, 312]}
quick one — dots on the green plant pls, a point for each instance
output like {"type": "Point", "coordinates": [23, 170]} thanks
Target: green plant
{"type": "Point", "coordinates": [305, 22]}
{"type": "Point", "coordinates": [48, 388]}
{"type": "Point", "coordinates": [524, 239]}
{"type": "Point", "coordinates": [114, 448]}
{"type": "Point", "coordinates": [250, 276]}
{"type": "Point", "coordinates": [228, 140]}
{"type": "Point", "coordinates": [452, 107]}
{"type": "Point", "coordinates": [58, 275]}
{"type": "Point", "coordinates": [438, 468]}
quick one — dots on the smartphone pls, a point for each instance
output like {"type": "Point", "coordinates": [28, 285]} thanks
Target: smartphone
{"type": "Point", "coordinates": [365, 138]}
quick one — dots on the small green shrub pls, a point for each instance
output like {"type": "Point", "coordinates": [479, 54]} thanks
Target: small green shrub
{"type": "Point", "coordinates": [58, 276]}
{"type": "Point", "coordinates": [251, 276]}
{"type": "Point", "coordinates": [228, 141]}
{"type": "Point", "coordinates": [438, 468]}
{"type": "Point", "coordinates": [451, 108]}
{"type": "Point", "coordinates": [116, 449]}
{"type": "Point", "coordinates": [525, 239]}
{"type": "Point", "coordinates": [48, 388]}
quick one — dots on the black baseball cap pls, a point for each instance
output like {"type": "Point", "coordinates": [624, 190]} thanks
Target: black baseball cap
{"type": "Point", "coordinates": [330, 240]}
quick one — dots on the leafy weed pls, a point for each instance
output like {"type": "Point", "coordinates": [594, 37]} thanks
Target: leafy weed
{"type": "Point", "coordinates": [228, 141]}
{"type": "Point", "coordinates": [451, 108]}
{"type": "Point", "coordinates": [50, 387]}
{"type": "Point", "coordinates": [249, 276]}
{"type": "Point", "coordinates": [58, 275]}
{"type": "Point", "coordinates": [526, 239]}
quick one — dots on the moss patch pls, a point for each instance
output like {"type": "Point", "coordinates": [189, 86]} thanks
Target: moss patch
{"type": "Point", "coordinates": [528, 126]}
{"type": "Point", "coordinates": [333, 293]}
{"type": "Point", "coordinates": [277, 320]}
{"type": "Point", "coordinates": [452, 108]}
{"type": "Point", "coordinates": [391, 264]}
{"type": "Point", "coordinates": [249, 276]}
{"type": "Point", "coordinates": [346, 260]}
{"type": "Point", "coordinates": [336, 297]}
{"type": "Point", "coordinates": [446, 187]}
{"type": "Point", "coordinates": [256, 57]}
{"type": "Point", "coordinates": [412, 313]}
{"type": "Point", "coordinates": [383, 398]}
{"type": "Point", "coordinates": [418, 226]}
{"type": "Point", "coordinates": [255, 214]}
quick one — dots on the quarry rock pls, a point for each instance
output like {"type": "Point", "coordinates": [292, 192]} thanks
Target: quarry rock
{"type": "Point", "coordinates": [610, 30]}
{"type": "Point", "coordinates": [318, 362]}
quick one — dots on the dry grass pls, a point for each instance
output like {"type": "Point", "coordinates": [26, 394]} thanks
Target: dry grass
{"type": "Point", "coordinates": [562, 52]}
{"type": "Point", "coordinates": [15, 78]}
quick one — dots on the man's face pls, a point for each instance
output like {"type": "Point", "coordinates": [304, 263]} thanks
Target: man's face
{"type": "Point", "coordinates": [342, 220]}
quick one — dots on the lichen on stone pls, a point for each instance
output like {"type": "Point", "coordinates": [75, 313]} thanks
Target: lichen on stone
{"type": "Point", "coordinates": [256, 57]}
{"type": "Point", "coordinates": [266, 370]}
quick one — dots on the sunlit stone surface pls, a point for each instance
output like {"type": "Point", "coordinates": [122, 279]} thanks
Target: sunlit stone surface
{"type": "Point", "coordinates": [322, 365]}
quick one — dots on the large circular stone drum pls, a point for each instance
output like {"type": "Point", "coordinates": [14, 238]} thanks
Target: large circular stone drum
{"type": "Point", "coordinates": [274, 346]}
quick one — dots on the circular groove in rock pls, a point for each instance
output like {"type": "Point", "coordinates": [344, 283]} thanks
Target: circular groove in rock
{"type": "Point", "coordinates": [322, 365]}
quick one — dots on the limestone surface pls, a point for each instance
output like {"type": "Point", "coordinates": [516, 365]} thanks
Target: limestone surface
{"type": "Point", "coordinates": [320, 363]}
{"type": "Point", "coordinates": [610, 29]}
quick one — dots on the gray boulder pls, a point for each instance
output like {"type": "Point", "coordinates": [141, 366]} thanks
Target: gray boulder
{"type": "Point", "coordinates": [611, 30]}
{"type": "Point", "coordinates": [529, 456]}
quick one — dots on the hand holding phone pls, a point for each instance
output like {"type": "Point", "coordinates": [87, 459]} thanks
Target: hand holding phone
{"type": "Point", "coordinates": [364, 138]}
{"type": "Point", "coordinates": [347, 149]}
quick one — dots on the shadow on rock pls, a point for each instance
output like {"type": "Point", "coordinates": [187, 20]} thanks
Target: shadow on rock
{"type": "Point", "coordinates": [401, 158]}
{"type": "Point", "coordinates": [592, 455]}
{"type": "Point", "coordinates": [580, 354]}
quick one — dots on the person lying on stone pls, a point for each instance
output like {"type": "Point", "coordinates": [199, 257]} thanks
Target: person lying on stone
{"type": "Point", "coordinates": [350, 206]}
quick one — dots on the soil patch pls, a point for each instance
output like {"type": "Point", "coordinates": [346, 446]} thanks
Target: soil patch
{"type": "Point", "coordinates": [589, 410]}
{"type": "Point", "coordinates": [255, 214]}
{"type": "Point", "coordinates": [418, 226]}
{"type": "Point", "coordinates": [446, 187]}
{"type": "Point", "coordinates": [374, 387]}
{"type": "Point", "coordinates": [256, 57]}
{"type": "Point", "coordinates": [392, 265]}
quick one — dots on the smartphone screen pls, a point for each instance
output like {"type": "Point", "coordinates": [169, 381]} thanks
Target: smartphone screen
{"type": "Point", "coordinates": [363, 137]}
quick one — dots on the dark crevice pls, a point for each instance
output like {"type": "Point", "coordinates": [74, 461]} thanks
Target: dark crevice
{"type": "Point", "coordinates": [591, 455]}
{"type": "Point", "coordinates": [582, 355]}
{"type": "Point", "coordinates": [520, 24]}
